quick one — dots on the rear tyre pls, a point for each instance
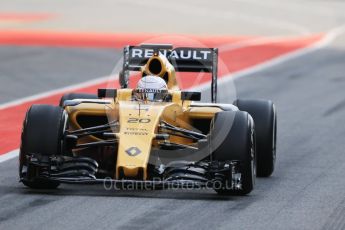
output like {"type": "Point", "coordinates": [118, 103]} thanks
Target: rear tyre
{"type": "Point", "coordinates": [41, 135]}
{"type": "Point", "coordinates": [233, 138]}
{"type": "Point", "coordinates": [265, 119]}
{"type": "Point", "coordinates": [72, 96]}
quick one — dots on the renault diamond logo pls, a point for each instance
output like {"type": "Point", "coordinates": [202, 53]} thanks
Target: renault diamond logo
{"type": "Point", "coordinates": [133, 151]}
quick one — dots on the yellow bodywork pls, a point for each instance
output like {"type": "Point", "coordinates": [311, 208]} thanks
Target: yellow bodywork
{"type": "Point", "coordinates": [139, 121]}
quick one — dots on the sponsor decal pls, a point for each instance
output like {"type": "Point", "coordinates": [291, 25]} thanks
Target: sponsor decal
{"type": "Point", "coordinates": [136, 132]}
{"type": "Point", "coordinates": [133, 151]}
{"type": "Point", "coordinates": [181, 54]}
{"type": "Point", "coordinates": [147, 90]}
{"type": "Point", "coordinates": [142, 107]}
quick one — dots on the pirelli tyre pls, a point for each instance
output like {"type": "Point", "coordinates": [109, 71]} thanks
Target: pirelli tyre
{"type": "Point", "coordinates": [233, 139]}
{"type": "Point", "coordinates": [41, 136]}
{"type": "Point", "coordinates": [265, 119]}
{"type": "Point", "coordinates": [72, 96]}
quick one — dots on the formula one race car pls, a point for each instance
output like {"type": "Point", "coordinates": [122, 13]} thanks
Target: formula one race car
{"type": "Point", "coordinates": [153, 135]}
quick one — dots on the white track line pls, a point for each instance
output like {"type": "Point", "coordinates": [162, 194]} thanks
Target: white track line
{"type": "Point", "coordinates": [255, 42]}
{"type": "Point", "coordinates": [56, 91]}
{"type": "Point", "coordinates": [328, 39]}
{"type": "Point", "coordinates": [100, 80]}
{"type": "Point", "coordinates": [9, 155]}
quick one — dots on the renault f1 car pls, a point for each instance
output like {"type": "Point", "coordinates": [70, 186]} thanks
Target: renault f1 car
{"type": "Point", "coordinates": [172, 140]}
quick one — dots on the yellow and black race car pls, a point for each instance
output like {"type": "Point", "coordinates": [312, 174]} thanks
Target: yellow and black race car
{"type": "Point", "coordinates": [154, 135]}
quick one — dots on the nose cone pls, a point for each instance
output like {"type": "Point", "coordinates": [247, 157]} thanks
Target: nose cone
{"type": "Point", "coordinates": [137, 130]}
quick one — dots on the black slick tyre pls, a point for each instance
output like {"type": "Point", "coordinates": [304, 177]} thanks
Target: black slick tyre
{"type": "Point", "coordinates": [233, 139]}
{"type": "Point", "coordinates": [41, 135]}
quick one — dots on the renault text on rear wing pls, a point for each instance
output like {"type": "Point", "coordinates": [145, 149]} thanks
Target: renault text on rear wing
{"type": "Point", "coordinates": [184, 59]}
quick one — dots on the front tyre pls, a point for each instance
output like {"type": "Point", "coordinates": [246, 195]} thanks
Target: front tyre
{"type": "Point", "coordinates": [233, 139]}
{"type": "Point", "coordinates": [42, 133]}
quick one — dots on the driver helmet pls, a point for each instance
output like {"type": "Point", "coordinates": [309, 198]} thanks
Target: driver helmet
{"type": "Point", "coordinates": [151, 88]}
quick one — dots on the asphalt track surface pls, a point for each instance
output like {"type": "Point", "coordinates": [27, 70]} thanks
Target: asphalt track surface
{"type": "Point", "coordinates": [307, 190]}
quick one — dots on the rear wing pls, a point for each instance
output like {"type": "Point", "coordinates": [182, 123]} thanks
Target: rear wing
{"type": "Point", "coordinates": [184, 59]}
